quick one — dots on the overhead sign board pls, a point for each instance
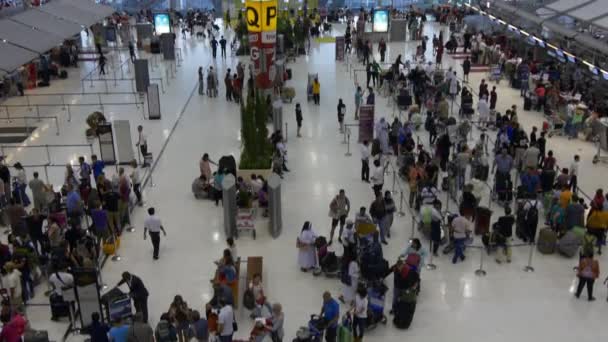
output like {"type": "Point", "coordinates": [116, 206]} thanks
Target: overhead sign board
{"type": "Point", "coordinates": [262, 15]}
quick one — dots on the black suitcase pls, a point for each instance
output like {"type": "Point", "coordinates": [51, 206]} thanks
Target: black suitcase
{"type": "Point", "coordinates": [59, 307]}
{"type": "Point", "coordinates": [404, 314]}
{"type": "Point", "coordinates": [515, 83]}
{"type": "Point", "coordinates": [527, 103]}
{"type": "Point", "coordinates": [36, 336]}
{"type": "Point", "coordinates": [482, 172]}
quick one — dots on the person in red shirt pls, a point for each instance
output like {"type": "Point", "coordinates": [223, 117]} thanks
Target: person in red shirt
{"type": "Point", "coordinates": [236, 87]}
{"type": "Point", "coordinates": [540, 93]}
{"type": "Point", "coordinates": [14, 330]}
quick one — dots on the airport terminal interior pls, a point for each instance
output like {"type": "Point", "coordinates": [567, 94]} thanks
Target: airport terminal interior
{"type": "Point", "coordinates": [44, 127]}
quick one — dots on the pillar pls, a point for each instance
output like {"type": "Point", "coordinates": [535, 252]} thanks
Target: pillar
{"type": "Point", "coordinates": [229, 204]}
{"type": "Point", "coordinates": [275, 208]}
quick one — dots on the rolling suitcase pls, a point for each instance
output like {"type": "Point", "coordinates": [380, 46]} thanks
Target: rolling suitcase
{"type": "Point", "coordinates": [482, 220]}
{"type": "Point", "coordinates": [36, 336]}
{"type": "Point", "coordinates": [547, 240]}
{"type": "Point", "coordinates": [569, 243]}
{"type": "Point", "coordinates": [345, 333]}
{"type": "Point", "coordinates": [59, 307]}
{"type": "Point", "coordinates": [527, 102]}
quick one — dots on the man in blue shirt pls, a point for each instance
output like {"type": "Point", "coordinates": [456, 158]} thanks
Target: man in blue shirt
{"type": "Point", "coordinates": [330, 313]}
{"type": "Point", "coordinates": [98, 166]}
{"type": "Point", "coordinates": [73, 202]}
{"type": "Point", "coordinates": [119, 332]}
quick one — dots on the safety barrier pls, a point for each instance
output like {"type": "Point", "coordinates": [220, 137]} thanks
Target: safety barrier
{"type": "Point", "coordinates": [28, 119]}
{"type": "Point", "coordinates": [68, 106]}
{"type": "Point", "coordinates": [47, 148]}
{"type": "Point", "coordinates": [116, 80]}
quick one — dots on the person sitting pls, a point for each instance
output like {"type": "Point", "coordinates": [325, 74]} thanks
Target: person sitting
{"type": "Point", "coordinates": [263, 199]}
{"type": "Point", "coordinates": [201, 187]}
{"type": "Point", "coordinates": [262, 308]}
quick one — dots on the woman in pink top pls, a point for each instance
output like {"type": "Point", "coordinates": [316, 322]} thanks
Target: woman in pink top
{"type": "Point", "coordinates": [205, 166]}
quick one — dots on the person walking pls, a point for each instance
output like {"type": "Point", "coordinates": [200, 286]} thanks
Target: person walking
{"type": "Point", "coordinates": [341, 112]}
{"type": "Point", "coordinates": [573, 174]}
{"type": "Point", "coordinates": [299, 119]}
{"type": "Point", "coordinates": [142, 143]}
{"type": "Point", "coordinates": [154, 226]}
{"type": "Point", "coordinates": [330, 313]}
{"type": "Point", "coordinates": [140, 330]}
{"type": "Point", "coordinates": [339, 208]}
{"type": "Point", "coordinates": [138, 292]}
{"type": "Point", "coordinates": [358, 101]}
{"type": "Point", "coordinates": [588, 271]}
{"type": "Point", "coordinates": [466, 69]}
{"type": "Point", "coordinates": [316, 91]}
{"type": "Point", "coordinates": [223, 47]}
{"type": "Point", "coordinates": [214, 44]}
{"type": "Point", "coordinates": [382, 49]}
{"type": "Point", "coordinates": [365, 154]}
{"type": "Point", "coordinates": [228, 84]}
{"type": "Point", "coordinates": [201, 81]}
{"type": "Point", "coordinates": [377, 176]}
{"type": "Point", "coordinates": [360, 313]}
{"type": "Point", "coordinates": [102, 64]}
{"type": "Point", "coordinates": [377, 210]}
{"type": "Point", "coordinates": [132, 51]}
{"type": "Point", "coordinates": [461, 228]}
{"type": "Point", "coordinates": [371, 97]}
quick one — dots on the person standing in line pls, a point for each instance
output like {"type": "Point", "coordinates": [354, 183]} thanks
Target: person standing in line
{"type": "Point", "coordinates": [573, 173]}
{"type": "Point", "coordinates": [358, 101]}
{"type": "Point", "coordinates": [330, 313]}
{"type": "Point", "coordinates": [225, 321]}
{"type": "Point", "coordinates": [371, 97]}
{"type": "Point", "coordinates": [153, 224]}
{"type": "Point", "coordinates": [201, 82]}
{"type": "Point", "coordinates": [136, 181]}
{"type": "Point", "coordinates": [341, 111]}
{"type": "Point", "coordinates": [38, 192]}
{"type": "Point", "coordinates": [21, 179]}
{"type": "Point", "coordinates": [588, 271]}
{"type": "Point", "coordinates": [142, 143]}
{"type": "Point", "coordinates": [102, 64]}
{"type": "Point", "coordinates": [338, 210]}
{"type": "Point", "coordinates": [140, 330]}
{"type": "Point", "coordinates": [389, 207]}
{"type": "Point", "coordinates": [365, 154]}
{"type": "Point", "coordinates": [493, 98]}
{"type": "Point", "coordinates": [97, 166]}
{"type": "Point", "coordinates": [5, 177]}
{"type": "Point", "coordinates": [223, 47]}
{"type": "Point", "coordinates": [377, 210]}
{"type": "Point", "coordinates": [316, 91]}
{"type": "Point", "coordinates": [377, 176]}
{"type": "Point", "coordinates": [466, 69]}
{"type": "Point", "coordinates": [138, 292]}
{"type": "Point", "coordinates": [214, 44]}
{"type": "Point", "coordinates": [132, 51]}
{"type": "Point", "coordinates": [299, 119]}
{"type": "Point", "coordinates": [85, 171]}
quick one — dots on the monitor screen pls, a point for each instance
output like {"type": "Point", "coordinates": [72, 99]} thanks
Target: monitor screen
{"type": "Point", "coordinates": [380, 21]}
{"type": "Point", "coordinates": [531, 40]}
{"type": "Point", "coordinates": [161, 23]}
{"type": "Point", "coordinates": [541, 43]}
{"type": "Point", "coordinates": [560, 53]}
{"type": "Point", "coordinates": [605, 74]}
{"type": "Point", "coordinates": [551, 53]}
{"type": "Point", "coordinates": [594, 70]}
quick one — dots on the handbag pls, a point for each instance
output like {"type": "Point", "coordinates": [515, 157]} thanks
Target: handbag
{"type": "Point", "coordinates": [235, 326]}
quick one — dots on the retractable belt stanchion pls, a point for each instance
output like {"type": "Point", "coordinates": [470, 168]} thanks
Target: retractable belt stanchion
{"type": "Point", "coordinates": [529, 267]}
{"type": "Point", "coordinates": [401, 212]}
{"type": "Point", "coordinates": [413, 227]}
{"type": "Point", "coordinates": [480, 272]}
{"type": "Point", "coordinates": [348, 154]}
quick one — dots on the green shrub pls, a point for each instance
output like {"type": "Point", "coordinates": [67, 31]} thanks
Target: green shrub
{"type": "Point", "coordinates": [257, 149]}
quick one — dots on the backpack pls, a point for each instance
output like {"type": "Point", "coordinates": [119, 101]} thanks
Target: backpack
{"type": "Point", "coordinates": [589, 243]}
{"type": "Point", "coordinates": [163, 332]}
{"type": "Point", "coordinates": [532, 216]}
{"type": "Point", "coordinates": [427, 216]}
{"type": "Point", "coordinates": [413, 259]}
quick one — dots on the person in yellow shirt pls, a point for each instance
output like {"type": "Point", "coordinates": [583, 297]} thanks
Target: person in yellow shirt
{"type": "Point", "coordinates": [316, 91]}
{"type": "Point", "coordinates": [565, 197]}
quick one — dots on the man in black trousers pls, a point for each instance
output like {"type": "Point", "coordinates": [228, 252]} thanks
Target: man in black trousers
{"type": "Point", "coordinates": [138, 293]}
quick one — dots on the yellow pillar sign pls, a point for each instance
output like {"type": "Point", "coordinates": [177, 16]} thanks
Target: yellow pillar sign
{"type": "Point", "coordinates": [262, 15]}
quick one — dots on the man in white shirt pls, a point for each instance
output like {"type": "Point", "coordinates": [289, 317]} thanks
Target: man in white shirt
{"type": "Point", "coordinates": [225, 321]}
{"type": "Point", "coordinates": [13, 284]}
{"type": "Point", "coordinates": [153, 224]}
{"type": "Point", "coordinates": [574, 173]}
{"type": "Point", "coordinates": [377, 176]}
{"type": "Point", "coordinates": [365, 154]}
{"type": "Point", "coordinates": [461, 228]}
{"type": "Point", "coordinates": [62, 281]}
{"type": "Point", "coordinates": [142, 143]}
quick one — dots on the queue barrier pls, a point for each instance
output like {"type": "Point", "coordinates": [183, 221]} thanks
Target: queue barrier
{"type": "Point", "coordinates": [68, 108]}
{"type": "Point", "coordinates": [28, 119]}
{"type": "Point", "coordinates": [48, 148]}
{"type": "Point", "coordinates": [116, 80]}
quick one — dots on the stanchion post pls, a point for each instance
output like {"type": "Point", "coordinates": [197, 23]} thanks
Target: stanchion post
{"type": "Point", "coordinates": [27, 98]}
{"type": "Point", "coordinates": [529, 267]}
{"type": "Point", "coordinates": [46, 174]}
{"type": "Point", "coordinates": [394, 181]}
{"type": "Point", "coordinates": [63, 101]}
{"type": "Point", "coordinates": [348, 154]}
{"type": "Point", "coordinates": [431, 266]}
{"type": "Point", "coordinates": [56, 124]}
{"type": "Point", "coordinates": [105, 81]}
{"type": "Point", "coordinates": [286, 132]}
{"type": "Point", "coordinates": [344, 135]}
{"type": "Point", "coordinates": [480, 272]}
{"type": "Point", "coordinates": [69, 113]}
{"type": "Point", "coordinates": [38, 112]}
{"type": "Point", "coordinates": [413, 227]}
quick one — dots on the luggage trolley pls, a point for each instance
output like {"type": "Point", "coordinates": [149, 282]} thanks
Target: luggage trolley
{"type": "Point", "coordinates": [311, 78]}
{"type": "Point", "coordinates": [554, 124]}
{"type": "Point", "coordinates": [245, 221]}
{"type": "Point", "coordinates": [495, 73]}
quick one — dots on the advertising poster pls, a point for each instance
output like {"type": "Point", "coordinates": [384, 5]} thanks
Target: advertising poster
{"type": "Point", "coordinates": [340, 42]}
{"type": "Point", "coordinates": [161, 23]}
{"type": "Point", "coordinates": [380, 21]}
{"type": "Point", "coordinates": [366, 123]}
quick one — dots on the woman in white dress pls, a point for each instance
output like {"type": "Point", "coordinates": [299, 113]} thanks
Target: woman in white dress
{"type": "Point", "coordinates": [382, 135]}
{"type": "Point", "coordinates": [306, 248]}
{"type": "Point", "coordinates": [483, 109]}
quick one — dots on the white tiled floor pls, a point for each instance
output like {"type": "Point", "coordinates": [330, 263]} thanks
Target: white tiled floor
{"type": "Point", "coordinates": [454, 304]}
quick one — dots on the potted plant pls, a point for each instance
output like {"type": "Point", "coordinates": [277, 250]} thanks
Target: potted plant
{"type": "Point", "coordinates": [256, 153]}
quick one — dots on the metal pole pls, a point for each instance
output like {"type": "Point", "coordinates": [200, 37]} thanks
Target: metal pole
{"type": "Point", "coordinates": [480, 272]}
{"type": "Point", "coordinates": [413, 227]}
{"type": "Point", "coordinates": [105, 80]}
{"type": "Point", "coordinates": [8, 115]}
{"type": "Point", "coordinates": [114, 75]}
{"type": "Point", "coordinates": [348, 154]}
{"type": "Point", "coordinates": [46, 174]}
{"type": "Point", "coordinates": [48, 154]}
{"type": "Point", "coordinates": [401, 212]}
{"type": "Point", "coordinates": [430, 266]}
{"type": "Point", "coordinates": [27, 98]}
{"type": "Point", "coordinates": [91, 148]}
{"type": "Point", "coordinates": [344, 134]}
{"type": "Point", "coordinates": [529, 267]}
{"type": "Point", "coordinates": [38, 112]}
{"type": "Point", "coordinates": [99, 99]}
{"type": "Point", "coordinates": [69, 114]}
{"type": "Point", "coordinates": [286, 132]}
{"type": "Point", "coordinates": [57, 124]}
{"type": "Point", "coordinates": [394, 181]}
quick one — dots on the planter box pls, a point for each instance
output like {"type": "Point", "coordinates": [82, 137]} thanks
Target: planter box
{"type": "Point", "coordinates": [246, 174]}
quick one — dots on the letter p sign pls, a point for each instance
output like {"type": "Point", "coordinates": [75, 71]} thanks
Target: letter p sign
{"type": "Point", "coordinates": [271, 15]}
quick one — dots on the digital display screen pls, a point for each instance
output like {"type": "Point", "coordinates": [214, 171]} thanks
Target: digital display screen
{"type": "Point", "coordinates": [605, 74]}
{"type": "Point", "coordinates": [380, 21]}
{"type": "Point", "coordinates": [161, 23]}
{"type": "Point", "coordinates": [531, 40]}
{"type": "Point", "coordinates": [551, 53]}
{"type": "Point", "coordinates": [594, 70]}
{"type": "Point", "coordinates": [571, 59]}
{"type": "Point", "coordinates": [541, 43]}
{"type": "Point", "coordinates": [560, 53]}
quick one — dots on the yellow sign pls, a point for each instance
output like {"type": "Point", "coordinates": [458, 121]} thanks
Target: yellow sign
{"type": "Point", "coordinates": [262, 15]}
